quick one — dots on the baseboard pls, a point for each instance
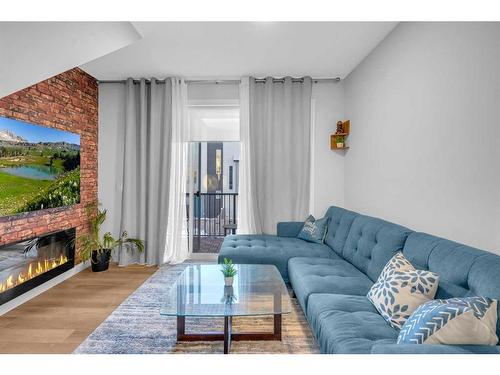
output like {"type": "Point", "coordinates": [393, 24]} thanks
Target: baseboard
{"type": "Point", "coordinates": [12, 304]}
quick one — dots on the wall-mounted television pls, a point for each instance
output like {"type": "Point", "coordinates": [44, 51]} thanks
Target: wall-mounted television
{"type": "Point", "coordinates": [39, 167]}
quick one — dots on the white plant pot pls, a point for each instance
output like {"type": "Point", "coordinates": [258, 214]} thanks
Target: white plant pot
{"type": "Point", "coordinates": [340, 145]}
{"type": "Point", "coordinates": [228, 281]}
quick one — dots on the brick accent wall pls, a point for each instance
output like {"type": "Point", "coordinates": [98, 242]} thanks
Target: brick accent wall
{"type": "Point", "coordinates": [69, 102]}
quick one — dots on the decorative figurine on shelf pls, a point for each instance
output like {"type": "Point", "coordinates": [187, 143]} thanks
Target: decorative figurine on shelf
{"type": "Point", "coordinates": [340, 129]}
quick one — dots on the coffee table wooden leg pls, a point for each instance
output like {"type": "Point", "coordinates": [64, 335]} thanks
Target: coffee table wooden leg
{"type": "Point", "coordinates": [277, 326]}
{"type": "Point", "coordinates": [181, 326]}
{"type": "Point", "coordinates": [277, 317]}
{"type": "Point", "coordinates": [228, 336]}
{"type": "Point", "coordinates": [228, 327]}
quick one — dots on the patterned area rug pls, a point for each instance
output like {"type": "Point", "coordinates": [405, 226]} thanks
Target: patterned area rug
{"type": "Point", "coordinates": [136, 327]}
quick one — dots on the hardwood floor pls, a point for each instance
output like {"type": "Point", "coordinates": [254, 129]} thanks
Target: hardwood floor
{"type": "Point", "coordinates": [58, 320]}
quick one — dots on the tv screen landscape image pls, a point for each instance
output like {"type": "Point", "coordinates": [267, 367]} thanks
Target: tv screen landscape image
{"type": "Point", "coordinates": [39, 167]}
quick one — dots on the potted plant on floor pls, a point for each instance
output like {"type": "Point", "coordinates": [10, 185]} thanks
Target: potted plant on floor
{"type": "Point", "coordinates": [97, 248]}
{"type": "Point", "coordinates": [229, 271]}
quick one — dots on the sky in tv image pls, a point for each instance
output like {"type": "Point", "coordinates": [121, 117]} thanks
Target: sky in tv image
{"type": "Point", "coordinates": [36, 133]}
{"type": "Point", "coordinates": [39, 167]}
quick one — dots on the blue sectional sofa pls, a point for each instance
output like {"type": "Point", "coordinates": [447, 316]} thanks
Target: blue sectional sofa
{"type": "Point", "coordinates": [331, 280]}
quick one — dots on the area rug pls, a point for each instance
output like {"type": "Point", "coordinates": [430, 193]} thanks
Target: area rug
{"type": "Point", "coordinates": [136, 327]}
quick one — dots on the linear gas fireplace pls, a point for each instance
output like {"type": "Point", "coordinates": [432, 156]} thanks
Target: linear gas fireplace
{"type": "Point", "coordinates": [27, 264]}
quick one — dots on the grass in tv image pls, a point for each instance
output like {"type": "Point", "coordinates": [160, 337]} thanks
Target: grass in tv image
{"type": "Point", "coordinates": [39, 167]}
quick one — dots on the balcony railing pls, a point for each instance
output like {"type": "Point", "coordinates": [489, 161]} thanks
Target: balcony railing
{"type": "Point", "coordinates": [214, 214]}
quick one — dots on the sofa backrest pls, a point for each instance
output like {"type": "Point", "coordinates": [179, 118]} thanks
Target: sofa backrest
{"type": "Point", "coordinates": [368, 243]}
{"type": "Point", "coordinates": [338, 228]}
{"type": "Point", "coordinates": [371, 242]}
{"type": "Point", "coordinates": [463, 271]}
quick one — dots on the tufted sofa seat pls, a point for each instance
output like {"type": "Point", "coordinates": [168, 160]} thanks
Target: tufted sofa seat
{"type": "Point", "coordinates": [331, 280]}
{"type": "Point", "coordinates": [266, 249]}
{"type": "Point", "coordinates": [347, 324]}
{"type": "Point", "coordinates": [316, 275]}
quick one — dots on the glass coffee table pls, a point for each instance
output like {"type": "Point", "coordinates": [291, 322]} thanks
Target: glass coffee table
{"type": "Point", "coordinates": [199, 291]}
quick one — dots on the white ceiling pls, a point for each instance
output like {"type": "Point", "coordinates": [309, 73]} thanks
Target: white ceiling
{"type": "Point", "coordinates": [33, 51]}
{"type": "Point", "coordinates": [233, 49]}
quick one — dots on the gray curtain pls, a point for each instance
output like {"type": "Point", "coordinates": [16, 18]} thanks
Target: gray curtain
{"type": "Point", "coordinates": [279, 126]}
{"type": "Point", "coordinates": [146, 168]}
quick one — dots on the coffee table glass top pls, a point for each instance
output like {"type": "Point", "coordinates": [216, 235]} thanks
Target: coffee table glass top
{"type": "Point", "coordinates": [257, 289]}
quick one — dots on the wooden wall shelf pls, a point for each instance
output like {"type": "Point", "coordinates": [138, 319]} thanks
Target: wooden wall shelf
{"type": "Point", "coordinates": [339, 148]}
{"type": "Point", "coordinates": [346, 127]}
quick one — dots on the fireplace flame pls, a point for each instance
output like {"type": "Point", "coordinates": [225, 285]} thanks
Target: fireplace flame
{"type": "Point", "coordinates": [34, 269]}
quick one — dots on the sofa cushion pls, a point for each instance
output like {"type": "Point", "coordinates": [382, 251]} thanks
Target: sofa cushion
{"type": "Point", "coordinates": [268, 249]}
{"type": "Point", "coordinates": [484, 280]}
{"type": "Point", "coordinates": [453, 321]}
{"type": "Point", "coordinates": [347, 324]}
{"type": "Point", "coordinates": [463, 271]}
{"type": "Point", "coordinates": [371, 242]}
{"type": "Point", "coordinates": [450, 260]}
{"type": "Point", "coordinates": [314, 230]}
{"type": "Point", "coordinates": [338, 228]}
{"type": "Point", "coordinates": [316, 275]}
{"type": "Point", "coordinates": [401, 289]}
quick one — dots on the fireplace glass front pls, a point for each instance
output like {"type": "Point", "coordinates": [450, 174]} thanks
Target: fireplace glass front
{"type": "Point", "coordinates": [27, 264]}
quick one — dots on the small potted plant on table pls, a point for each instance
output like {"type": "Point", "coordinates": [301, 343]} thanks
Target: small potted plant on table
{"type": "Point", "coordinates": [229, 271]}
{"type": "Point", "coordinates": [98, 249]}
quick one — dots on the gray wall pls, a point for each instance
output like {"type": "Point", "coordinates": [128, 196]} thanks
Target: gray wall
{"type": "Point", "coordinates": [425, 122]}
{"type": "Point", "coordinates": [327, 165]}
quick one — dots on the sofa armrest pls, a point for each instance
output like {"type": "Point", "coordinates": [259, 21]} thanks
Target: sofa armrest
{"type": "Point", "coordinates": [433, 349]}
{"type": "Point", "coordinates": [289, 228]}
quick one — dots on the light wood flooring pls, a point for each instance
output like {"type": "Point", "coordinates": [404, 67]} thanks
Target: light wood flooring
{"type": "Point", "coordinates": [58, 320]}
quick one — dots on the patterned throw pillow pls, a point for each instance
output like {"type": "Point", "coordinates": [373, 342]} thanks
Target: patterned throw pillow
{"type": "Point", "coordinates": [401, 289]}
{"type": "Point", "coordinates": [398, 262]}
{"type": "Point", "coordinates": [314, 230]}
{"type": "Point", "coordinates": [454, 321]}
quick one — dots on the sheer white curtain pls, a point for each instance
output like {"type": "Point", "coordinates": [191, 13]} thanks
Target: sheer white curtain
{"type": "Point", "coordinates": [247, 219]}
{"type": "Point", "coordinates": [177, 243]}
{"type": "Point", "coordinates": [275, 135]}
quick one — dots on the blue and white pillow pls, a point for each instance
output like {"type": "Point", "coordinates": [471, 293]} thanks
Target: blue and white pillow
{"type": "Point", "coordinates": [401, 289]}
{"type": "Point", "coordinates": [454, 321]}
{"type": "Point", "coordinates": [314, 230]}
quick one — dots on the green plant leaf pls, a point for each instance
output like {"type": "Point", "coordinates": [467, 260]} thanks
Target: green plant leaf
{"type": "Point", "coordinates": [93, 242]}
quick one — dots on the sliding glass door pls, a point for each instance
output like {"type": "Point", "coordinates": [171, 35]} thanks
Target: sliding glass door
{"type": "Point", "coordinates": [213, 175]}
{"type": "Point", "coordinates": [213, 193]}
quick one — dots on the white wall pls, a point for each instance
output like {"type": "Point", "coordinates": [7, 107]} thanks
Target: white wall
{"type": "Point", "coordinates": [212, 92]}
{"type": "Point", "coordinates": [111, 119]}
{"type": "Point", "coordinates": [425, 123]}
{"type": "Point", "coordinates": [328, 165]}
{"type": "Point", "coordinates": [34, 51]}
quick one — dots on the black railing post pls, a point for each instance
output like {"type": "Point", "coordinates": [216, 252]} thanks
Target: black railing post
{"type": "Point", "coordinates": [216, 210]}
{"type": "Point", "coordinates": [234, 208]}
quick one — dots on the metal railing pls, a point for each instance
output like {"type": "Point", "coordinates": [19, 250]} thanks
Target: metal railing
{"type": "Point", "coordinates": [214, 214]}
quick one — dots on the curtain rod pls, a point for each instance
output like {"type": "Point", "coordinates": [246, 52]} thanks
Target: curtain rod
{"type": "Point", "coordinates": [226, 81]}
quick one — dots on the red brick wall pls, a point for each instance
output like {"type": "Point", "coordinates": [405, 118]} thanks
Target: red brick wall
{"type": "Point", "coordinates": [67, 101]}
